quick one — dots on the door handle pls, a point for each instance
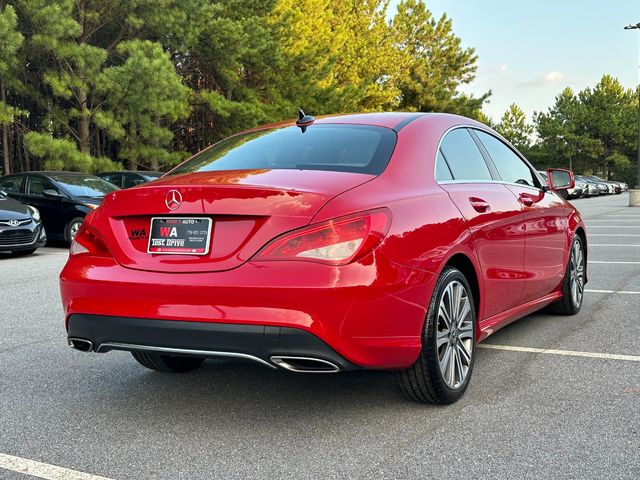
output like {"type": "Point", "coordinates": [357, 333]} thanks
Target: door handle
{"type": "Point", "coordinates": [525, 199]}
{"type": "Point", "coordinates": [479, 205]}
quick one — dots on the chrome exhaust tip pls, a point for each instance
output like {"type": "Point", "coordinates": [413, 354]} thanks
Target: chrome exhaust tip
{"type": "Point", "coordinates": [81, 344]}
{"type": "Point", "coordinates": [304, 364]}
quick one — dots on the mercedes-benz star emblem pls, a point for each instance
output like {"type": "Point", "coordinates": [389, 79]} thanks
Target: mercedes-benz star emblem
{"type": "Point", "coordinates": [173, 199]}
{"type": "Point", "coordinates": [13, 223]}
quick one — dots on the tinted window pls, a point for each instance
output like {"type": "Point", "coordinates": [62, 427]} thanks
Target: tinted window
{"type": "Point", "coordinates": [148, 176]}
{"type": "Point", "coordinates": [131, 180]}
{"type": "Point", "coordinates": [463, 156]}
{"type": "Point", "coordinates": [346, 148]}
{"type": "Point", "coordinates": [112, 178]}
{"type": "Point", "coordinates": [37, 185]}
{"type": "Point", "coordinates": [85, 186]}
{"type": "Point", "coordinates": [442, 169]}
{"type": "Point", "coordinates": [510, 166]}
{"type": "Point", "coordinates": [11, 185]}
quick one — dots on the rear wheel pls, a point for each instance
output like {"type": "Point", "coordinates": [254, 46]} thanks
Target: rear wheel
{"type": "Point", "coordinates": [573, 282]}
{"type": "Point", "coordinates": [167, 363]}
{"type": "Point", "coordinates": [443, 369]}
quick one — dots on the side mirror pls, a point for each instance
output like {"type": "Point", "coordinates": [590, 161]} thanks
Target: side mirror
{"type": "Point", "coordinates": [51, 193]}
{"type": "Point", "coordinates": [560, 179]}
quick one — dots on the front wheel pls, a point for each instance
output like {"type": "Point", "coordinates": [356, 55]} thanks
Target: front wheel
{"type": "Point", "coordinates": [71, 229]}
{"type": "Point", "coordinates": [167, 363]}
{"type": "Point", "coordinates": [442, 372]}
{"type": "Point", "coordinates": [573, 281]}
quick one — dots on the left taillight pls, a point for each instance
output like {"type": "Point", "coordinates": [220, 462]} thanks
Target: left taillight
{"type": "Point", "coordinates": [88, 242]}
{"type": "Point", "coordinates": [335, 242]}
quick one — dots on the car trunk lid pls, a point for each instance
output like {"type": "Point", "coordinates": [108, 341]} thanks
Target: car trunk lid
{"type": "Point", "coordinates": [248, 209]}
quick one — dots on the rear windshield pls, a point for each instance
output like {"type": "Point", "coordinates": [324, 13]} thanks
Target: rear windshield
{"type": "Point", "coordinates": [341, 148]}
{"type": "Point", "coordinates": [89, 186]}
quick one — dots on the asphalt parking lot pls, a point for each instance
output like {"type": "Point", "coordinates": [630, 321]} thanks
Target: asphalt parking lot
{"type": "Point", "coordinates": [558, 398]}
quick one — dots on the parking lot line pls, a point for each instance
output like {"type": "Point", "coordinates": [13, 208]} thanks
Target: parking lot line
{"type": "Point", "coordinates": [43, 470]}
{"type": "Point", "coordinates": [612, 245]}
{"type": "Point", "coordinates": [612, 263]}
{"type": "Point", "coordinates": [614, 235]}
{"type": "Point", "coordinates": [624, 292]}
{"type": "Point", "coordinates": [566, 353]}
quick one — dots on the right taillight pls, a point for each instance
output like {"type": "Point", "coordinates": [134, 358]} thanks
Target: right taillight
{"type": "Point", "coordinates": [88, 242]}
{"type": "Point", "coordinates": [336, 242]}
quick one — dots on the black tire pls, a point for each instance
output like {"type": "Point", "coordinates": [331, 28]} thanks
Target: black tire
{"type": "Point", "coordinates": [167, 363]}
{"type": "Point", "coordinates": [424, 381]}
{"type": "Point", "coordinates": [568, 304]}
{"type": "Point", "coordinates": [23, 253]}
{"type": "Point", "coordinates": [69, 228]}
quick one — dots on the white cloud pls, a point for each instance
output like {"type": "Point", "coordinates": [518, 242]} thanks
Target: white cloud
{"type": "Point", "coordinates": [503, 68]}
{"type": "Point", "coordinates": [553, 77]}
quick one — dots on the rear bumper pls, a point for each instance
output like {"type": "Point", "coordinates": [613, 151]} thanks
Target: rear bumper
{"type": "Point", "coordinates": [256, 343]}
{"type": "Point", "coordinates": [369, 314]}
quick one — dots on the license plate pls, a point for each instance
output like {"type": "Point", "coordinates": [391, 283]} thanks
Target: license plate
{"type": "Point", "coordinates": [179, 236]}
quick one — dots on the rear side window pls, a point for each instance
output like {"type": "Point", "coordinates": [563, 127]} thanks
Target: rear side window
{"type": "Point", "coordinates": [510, 166]}
{"type": "Point", "coordinates": [463, 156]}
{"type": "Point", "coordinates": [442, 169]}
{"type": "Point", "coordinates": [341, 148]}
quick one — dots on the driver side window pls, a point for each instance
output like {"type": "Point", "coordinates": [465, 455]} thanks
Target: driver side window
{"type": "Point", "coordinates": [510, 166]}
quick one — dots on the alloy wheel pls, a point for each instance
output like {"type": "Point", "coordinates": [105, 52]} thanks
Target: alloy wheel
{"type": "Point", "coordinates": [576, 278]}
{"type": "Point", "coordinates": [73, 230]}
{"type": "Point", "coordinates": [454, 338]}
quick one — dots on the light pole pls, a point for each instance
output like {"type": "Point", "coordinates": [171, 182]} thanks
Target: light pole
{"type": "Point", "coordinates": [634, 195]}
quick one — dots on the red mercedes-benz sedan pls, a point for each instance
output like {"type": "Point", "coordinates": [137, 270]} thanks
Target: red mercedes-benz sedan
{"type": "Point", "coordinates": [380, 241]}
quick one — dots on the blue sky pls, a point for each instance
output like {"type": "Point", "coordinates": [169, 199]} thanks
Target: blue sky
{"type": "Point", "coordinates": [529, 50]}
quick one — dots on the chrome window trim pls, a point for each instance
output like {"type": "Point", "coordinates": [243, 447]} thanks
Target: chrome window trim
{"type": "Point", "coordinates": [488, 131]}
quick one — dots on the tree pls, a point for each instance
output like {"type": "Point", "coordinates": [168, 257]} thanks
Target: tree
{"type": "Point", "coordinates": [144, 93]}
{"type": "Point", "coordinates": [434, 65]}
{"type": "Point", "coordinates": [9, 46]}
{"type": "Point", "coordinates": [591, 132]}
{"type": "Point", "coordinates": [514, 127]}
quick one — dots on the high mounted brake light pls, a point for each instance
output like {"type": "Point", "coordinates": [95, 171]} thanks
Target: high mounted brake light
{"type": "Point", "coordinates": [335, 242]}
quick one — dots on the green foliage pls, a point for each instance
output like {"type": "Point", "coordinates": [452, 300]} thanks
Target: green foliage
{"type": "Point", "coordinates": [514, 127]}
{"type": "Point", "coordinates": [62, 154]}
{"type": "Point", "coordinates": [593, 131]}
{"type": "Point", "coordinates": [434, 65]}
{"type": "Point", "coordinates": [145, 82]}
{"type": "Point", "coordinates": [9, 45]}
{"type": "Point", "coordinates": [145, 94]}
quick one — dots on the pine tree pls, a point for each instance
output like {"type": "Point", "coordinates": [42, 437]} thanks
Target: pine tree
{"type": "Point", "coordinates": [514, 127]}
{"type": "Point", "coordinates": [9, 46]}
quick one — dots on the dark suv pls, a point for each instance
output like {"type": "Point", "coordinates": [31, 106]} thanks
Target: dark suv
{"type": "Point", "coordinates": [63, 198]}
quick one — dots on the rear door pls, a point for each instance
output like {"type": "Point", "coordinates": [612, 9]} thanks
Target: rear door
{"type": "Point", "coordinates": [494, 217]}
{"type": "Point", "coordinates": [545, 218]}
